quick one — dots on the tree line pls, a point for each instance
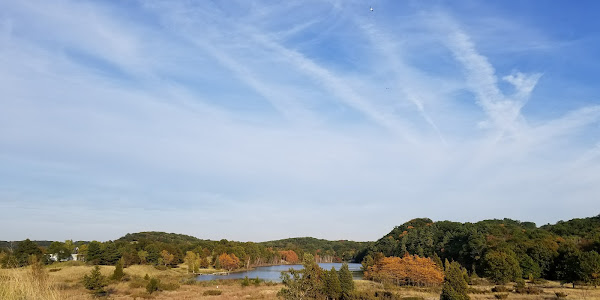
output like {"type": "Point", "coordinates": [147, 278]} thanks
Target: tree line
{"type": "Point", "coordinates": [501, 250]}
{"type": "Point", "coordinates": [169, 249]}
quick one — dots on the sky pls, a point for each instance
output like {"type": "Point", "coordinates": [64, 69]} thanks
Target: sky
{"type": "Point", "coordinates": [262, 120]}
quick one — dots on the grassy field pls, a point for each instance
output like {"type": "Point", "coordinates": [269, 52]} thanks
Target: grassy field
{"type": "Point", "coordinates": [63, 282]}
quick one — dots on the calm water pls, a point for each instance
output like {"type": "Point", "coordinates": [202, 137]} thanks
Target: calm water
{"type": "Point", "coordinates": [273, 273]}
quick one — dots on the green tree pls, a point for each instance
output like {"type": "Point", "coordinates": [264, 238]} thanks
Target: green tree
{"type": "Point", "coordinates": [24, 250]}
{"type": "Point", "coordinates": [110, 254]}
{"type": "Point", "coordinates": [438, 261]}
{"type": "Point", "coordinates": [94, 252]}
{"type": "Point", "coordinates": [502, 266]}
{"type": "Point", "coordinates": [529, 267]}
{"type": "Point", "coordinates": [245, 282]}
{"type": "Point", "coordinates": [455, 286]}
{"type": "Point", "coordinates": [302, 284]}
{"type": "Point", "coordinates": [589, 268]}
{"type": "Point", "coordinates": [331, 284]}
{"type": "Point", "coordinates": [60, 250]}
{"type": "Point", "coordinates": [567, 263]}
{"type": "Point", "coordinates": [95, 281]}
{"type": "Point", "coordinates": [118, 273]}
{"type": "Point", "coordinates": [153, 285]}
{"type": "Point", "coordinates": [367, 262]}
{"type": "Point", "coordinates": [346, 281]}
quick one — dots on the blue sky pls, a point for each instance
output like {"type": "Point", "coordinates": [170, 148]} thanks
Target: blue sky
{"type": "Point", "coordinates": [252, 120]}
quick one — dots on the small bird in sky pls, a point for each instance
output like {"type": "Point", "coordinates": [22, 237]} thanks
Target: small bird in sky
{"type": "Point", "coordinates": [371, 8]}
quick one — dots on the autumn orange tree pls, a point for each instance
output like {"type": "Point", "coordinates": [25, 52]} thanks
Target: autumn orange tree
{"type": "Point", "coordinates": [408, 270]}
{"type": "Point", "coordinates": [289, 256]}
{"type": "Point", "coordinates": [229, 261]}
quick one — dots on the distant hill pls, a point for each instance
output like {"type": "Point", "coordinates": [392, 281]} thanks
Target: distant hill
{"type": "Point", "coordinates": [163, 237]}
{"type": "Point", "coordinates": [538, 248]}
{"type": "Point", "coordinates": [586, 227]}
{"type": "Point", "coordinates": [346, 250]}
{"type": "Point", "coordinates": [7, 244]}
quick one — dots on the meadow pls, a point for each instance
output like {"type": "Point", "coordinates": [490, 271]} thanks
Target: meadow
{"type": "Point", "coordinates": [63, 281]}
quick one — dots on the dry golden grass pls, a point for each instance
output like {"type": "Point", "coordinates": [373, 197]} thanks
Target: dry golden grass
{"type": "Point", "coordinates": [64, 283]}
{"type": "Point", "coordinates": [23, 284]}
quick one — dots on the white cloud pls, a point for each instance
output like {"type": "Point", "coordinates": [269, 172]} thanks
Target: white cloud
{"type": "Point", "coordinates": [234, 115]}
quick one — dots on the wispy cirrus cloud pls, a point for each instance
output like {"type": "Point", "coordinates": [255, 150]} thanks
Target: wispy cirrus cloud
{"type": "Point", "coordinates": [176, 115]}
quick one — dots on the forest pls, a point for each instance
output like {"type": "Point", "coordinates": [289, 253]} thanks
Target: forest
{"type": "Point", "coordinates": [502, 250]}
{"type": "Point", "coordinates": [170, 249]}
{"type": "Point", "coordinates": [441, 256]}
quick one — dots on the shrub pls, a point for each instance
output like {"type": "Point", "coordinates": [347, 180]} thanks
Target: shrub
{"type": "Point", "coordinates": [257, 281]}
{"type": "Point", "coordinates": [153, 285]}
{"type": "Point", "coordinates": [561, 295]}
{"type": "Point", "coordinates": [500, 289]}
{"type": "Point", "coordinates": [529, 290]}
{"type": "Point", "coordinates": [95, 282]}
{"type": "Point", "coordinates": [245, 282]}
{"type": "Point", "coordinates": [471, 290]}
{"type": "Point", "coordinates": [212, 293]}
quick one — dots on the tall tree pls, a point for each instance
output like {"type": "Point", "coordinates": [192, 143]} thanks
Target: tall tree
{"type": "Point", "coordinates": [502, 266]}
{"type": "Point", "coordinates": [346, 281]}
{"type": "Point", "coordinates": [94, 252]}
{"type": "Point", "coordinates": [331, 284]}
{"type": "Point", "coordinates": [589, 268]}
{"type": "Point", "coordinates": [24, 250]}
{"type": "Point", "coordinates": [303, 284]}
{"type": "Point", "coordinates": [455, 286]}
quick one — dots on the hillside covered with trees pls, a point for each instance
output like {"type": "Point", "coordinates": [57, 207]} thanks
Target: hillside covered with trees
{"type": "Point", "coordinates": [502, 250]}
{"type": "Point", "coordinates": [170, 249]}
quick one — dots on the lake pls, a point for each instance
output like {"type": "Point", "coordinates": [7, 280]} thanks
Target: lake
{"type": "Point", "coordinates": [273, 273]}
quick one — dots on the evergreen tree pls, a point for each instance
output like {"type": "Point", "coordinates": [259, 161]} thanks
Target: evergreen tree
{"type": "Point", "coordinates": [303, 284]}
{"type": "Point", "coordinates": [217, 263]}
{"type": "Point", "coordinates": [346, 281]}
{"type": "Point", "coordinates": [455, 286]}
{"type": "Point", "coordinates": [331, 284]}
{"type": "Point", "coordinates": [95, 282]}
{"type": "Point", "coordinates": [110, 255]}
{"type": "Point", "coordinates": [153, 285]}
{"type": "Point", "coordinates": [94, 252]}
{"type": "Point", "coordinates": [438, 261]}
{"type": "Point", "coordinates": [24, 250]}
{"type": "Point", "coordinates": [118, 273]}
